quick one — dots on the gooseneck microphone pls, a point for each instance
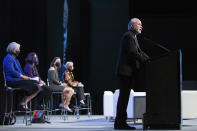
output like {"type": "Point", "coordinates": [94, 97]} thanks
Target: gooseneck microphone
{"type": "Point", "coordinates": [156, 44]}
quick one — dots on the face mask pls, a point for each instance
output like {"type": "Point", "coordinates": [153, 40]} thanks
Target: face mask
{"type": "Point", "coordinates": [58, 64]}
{"type": "Point", "coordinates": [17, 53]}
{"type": "Point", "coordinates": [70, 69]}
{"type": "Point", "coordinates": [35, 60]}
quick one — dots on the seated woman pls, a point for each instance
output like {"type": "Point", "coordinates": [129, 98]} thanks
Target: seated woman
{"type": "Point", "coordinates": [15, 77]}
{"type": "Point", "coordinates": [77, 86]}
{"type": "Point", "coordinates": [31, 71]}
{"type": "Point", "coordinates": [56, 85]}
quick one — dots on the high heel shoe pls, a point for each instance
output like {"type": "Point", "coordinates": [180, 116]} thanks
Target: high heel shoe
{"type": "Point", "coordinates": [68, 109]}
{"type": "Point", "coordinates": [82, 104]}
{"type": "Point", "coordinates": [23, 107]}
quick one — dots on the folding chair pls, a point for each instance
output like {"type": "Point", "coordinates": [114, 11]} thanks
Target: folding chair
{"type": "Point", "coordinates": [12, 91]}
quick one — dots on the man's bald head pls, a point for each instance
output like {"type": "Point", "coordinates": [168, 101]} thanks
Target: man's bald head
{"type": "Point", "coordinates": [135, 25]}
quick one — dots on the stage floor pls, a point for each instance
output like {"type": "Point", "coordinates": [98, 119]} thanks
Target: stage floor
{"type": "Point", "coordinates": [85, 123]}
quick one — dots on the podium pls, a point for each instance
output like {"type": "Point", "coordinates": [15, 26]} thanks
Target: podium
{"type": "Point", "coordinates": [163, 83]}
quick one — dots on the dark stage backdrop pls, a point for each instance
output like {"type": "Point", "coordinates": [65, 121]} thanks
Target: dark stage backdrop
{"type": "Point", "coordinates": [94, 31]}
{"type": "Point", "coordinates": [37, 25]}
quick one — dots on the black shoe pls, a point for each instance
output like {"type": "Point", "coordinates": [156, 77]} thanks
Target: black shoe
{"type": "Point", "coordinates": [118, 126]}
{"type": "Point", "coordinates": [47, 121]}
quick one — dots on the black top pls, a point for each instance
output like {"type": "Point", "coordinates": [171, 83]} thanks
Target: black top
{"type": "Point", "coordinates": [31, 70]}
{"type": "Point", "coordinates": [131, 56]}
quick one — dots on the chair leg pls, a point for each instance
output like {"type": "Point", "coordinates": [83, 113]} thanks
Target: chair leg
{"type": "Point", "coordinates": [47, 109]}
{"type": "Point", "coordinates": [51, 103]}
{"type": "Point", "coordinates": [50, 106]}
{"type": "Point", "coordinates": [89, 106]}
{"type": "Point", "coordinates": [63, 110]}
{"type": "Point", "coordinates": [28, 114]}
{"type": "Point", "coordinates": [64, 114]}
{"type": "Point", "coordinates": [6, 106]}
{"type": "Point", "coordinates": [11, 109]}
{"type": "Point", "coordinates": [76, 113]}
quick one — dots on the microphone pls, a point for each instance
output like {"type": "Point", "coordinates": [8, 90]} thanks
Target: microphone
{"type": "Point", "coordinates": [156, 44]}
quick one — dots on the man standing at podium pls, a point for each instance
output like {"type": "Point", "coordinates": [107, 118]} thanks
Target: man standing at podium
{"type": "Point", "coordinates": [131, 59]}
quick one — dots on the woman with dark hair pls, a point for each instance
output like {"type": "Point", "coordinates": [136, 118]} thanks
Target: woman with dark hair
{"type": "Point", "coordinates": [16, 78]}
{"type": "Point", "coordinates": [31, 71]}
{"type": "Point", "coordinates": [56, 85]}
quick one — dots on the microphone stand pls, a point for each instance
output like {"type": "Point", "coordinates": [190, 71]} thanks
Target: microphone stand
{"type": "Point", "coordinates": [156, 44]}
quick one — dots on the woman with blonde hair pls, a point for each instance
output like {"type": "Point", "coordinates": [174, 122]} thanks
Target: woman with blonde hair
{"type": "Point", "coordinates": [57, 86]}
{"type": "Point", "coordinates": [76, 85]}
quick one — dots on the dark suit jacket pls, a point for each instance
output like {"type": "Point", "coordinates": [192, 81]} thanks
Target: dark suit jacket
{"type": "Point", "coordinates": [131, 57]}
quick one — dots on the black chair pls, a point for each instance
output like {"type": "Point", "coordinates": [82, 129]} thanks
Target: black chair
{"type": "Point", "coordinates": [76, 108]}
{"type": "Point", "coordinates": [64, 113]}
{"type": "Point", "coordinates": [13, 91]}
{"type": "Point", "coordinates": [87, 107]}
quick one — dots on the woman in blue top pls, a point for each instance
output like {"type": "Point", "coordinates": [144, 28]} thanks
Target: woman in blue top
{"type": "Point", "coordinates": [15, 77]}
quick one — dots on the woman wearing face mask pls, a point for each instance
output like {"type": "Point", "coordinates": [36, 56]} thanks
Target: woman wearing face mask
{"type": "Point", "coordinates": [16, 78]}
{"type": "Point", "coordinates": [56, 85]}
{"type": "Point", "coordinates": [31, 71]}
{"type": "Point", "coordinates": [77, 86]}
